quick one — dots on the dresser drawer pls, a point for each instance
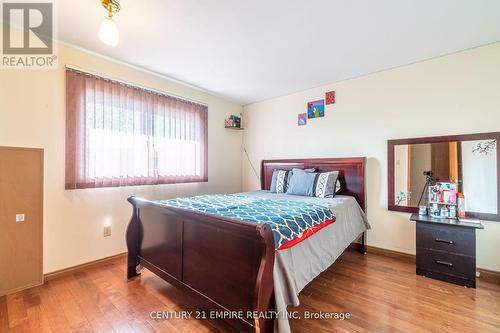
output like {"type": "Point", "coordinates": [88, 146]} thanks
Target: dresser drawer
{"type": "Point", "coordinates": [447, 263]}
{"type": "Point", "coordinates": [446, 238]}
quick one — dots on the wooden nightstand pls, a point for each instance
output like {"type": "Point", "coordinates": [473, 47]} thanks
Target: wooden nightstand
{"type": "Point", "coordinates": [446, 249]}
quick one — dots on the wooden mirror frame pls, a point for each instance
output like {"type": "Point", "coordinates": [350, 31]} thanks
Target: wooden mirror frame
{"type": "Point", "coordinates": [439, 139]}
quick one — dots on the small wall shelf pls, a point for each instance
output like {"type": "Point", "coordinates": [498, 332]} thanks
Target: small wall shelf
{"type": "Point", "coordinates": [442, 203]}
{"type": "Point", "coordinates": [233, 122]}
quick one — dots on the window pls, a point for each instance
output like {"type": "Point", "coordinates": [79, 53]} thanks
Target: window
{"type": "Point", "coordinates": [120, 135]}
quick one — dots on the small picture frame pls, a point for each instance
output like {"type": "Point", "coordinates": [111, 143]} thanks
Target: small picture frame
{"type": "Point", "coordinates": [316, 109]}
{"type": "Point", "coordinates": [302, 119]}
{"type": "Point", "coordinates": [330, 97]}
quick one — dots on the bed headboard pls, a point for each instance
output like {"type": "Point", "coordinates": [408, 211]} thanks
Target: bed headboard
{"type": "Point", "coordinates": [351, 173]}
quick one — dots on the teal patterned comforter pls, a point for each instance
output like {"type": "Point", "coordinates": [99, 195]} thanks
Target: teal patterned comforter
{"type": "Point", "coordinates": [287, 218]}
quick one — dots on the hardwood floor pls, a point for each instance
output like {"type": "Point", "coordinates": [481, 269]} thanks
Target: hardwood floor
{"type": "Point", "coordinates": [382, 295]}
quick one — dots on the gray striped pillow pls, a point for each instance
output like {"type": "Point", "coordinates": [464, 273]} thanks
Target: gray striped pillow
{"type": "Point", "coordinates": [325, 184]}
{"type": "Point", "coordinates": [279, 182]}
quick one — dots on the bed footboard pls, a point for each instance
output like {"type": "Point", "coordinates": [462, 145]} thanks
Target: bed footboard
{"type": "Point", "coordinates": [225, 264]}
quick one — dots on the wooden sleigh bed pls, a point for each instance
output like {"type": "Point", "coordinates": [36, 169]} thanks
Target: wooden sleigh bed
{"type": "Point", "coordinates": [226, 264]}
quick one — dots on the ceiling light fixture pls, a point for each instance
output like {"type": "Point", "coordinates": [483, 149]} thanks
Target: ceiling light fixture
{"type": "Point", "coordinates": [108, 31]}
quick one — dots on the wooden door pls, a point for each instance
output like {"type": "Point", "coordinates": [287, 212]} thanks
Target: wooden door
{"type": "Point", "coordinates": [440, 160]}
{"type": "Point", "coordinates": [21, 192]}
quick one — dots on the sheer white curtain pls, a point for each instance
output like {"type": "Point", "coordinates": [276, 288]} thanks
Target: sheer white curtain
{"type": "Point", "coordinates": [119, 135]}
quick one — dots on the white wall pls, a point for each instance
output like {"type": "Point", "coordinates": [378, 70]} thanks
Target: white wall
{"type": "Point", "coordinates": [480, 179]}
{"type": "Point", "coordinates": [401, 174]}
{"type": "Point", "coordinates": [449, 95]}
{"type": "Point", "coordinates": [420, 161]}
{"type": "Point", "coordinates": [32, 114]}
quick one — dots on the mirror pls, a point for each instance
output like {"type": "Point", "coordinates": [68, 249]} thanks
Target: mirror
{"type": "Point", "coordinates": [470, 161]}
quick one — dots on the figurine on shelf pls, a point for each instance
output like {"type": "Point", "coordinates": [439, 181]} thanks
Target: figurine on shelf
{"type": "Point", "coordinates": [461, 205]}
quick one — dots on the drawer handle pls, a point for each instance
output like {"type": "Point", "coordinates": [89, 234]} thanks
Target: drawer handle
{"type": "Point", "coordinates": [444, 263]}
{"type": "Point", "coordinates": [444, 241]}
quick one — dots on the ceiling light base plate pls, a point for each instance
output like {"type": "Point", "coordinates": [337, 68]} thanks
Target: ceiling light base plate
{"type": "Point", "coordinates": [111, 5]}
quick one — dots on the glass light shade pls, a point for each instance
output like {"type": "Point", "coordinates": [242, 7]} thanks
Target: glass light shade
{"type": "Point", "coordinates": [108, 32]}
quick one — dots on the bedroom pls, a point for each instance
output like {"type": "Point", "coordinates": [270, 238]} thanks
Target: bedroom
{"type": "Point", "coordinates": [369, 94]}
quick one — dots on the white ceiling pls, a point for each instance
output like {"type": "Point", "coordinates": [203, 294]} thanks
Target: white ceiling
{"type": "Point", "coordinates": [254, 50]}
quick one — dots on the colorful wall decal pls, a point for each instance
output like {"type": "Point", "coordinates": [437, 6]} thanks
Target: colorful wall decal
{"type": "Point", "coordinates": [316, 109]}
{"type": "Point", "coordinates": [330, 97]}
{"type": "Point", "coordinates": [302, 119]}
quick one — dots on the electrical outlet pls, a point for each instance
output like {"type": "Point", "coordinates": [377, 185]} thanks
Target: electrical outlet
{"type": "Point", "coordinates": [20, 217]}
{"type": "Point", "coordinates": [107, 231]}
